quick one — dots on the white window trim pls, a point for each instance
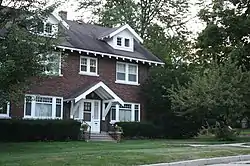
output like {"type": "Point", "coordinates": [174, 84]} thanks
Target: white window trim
{"type": "Point", "coordinates": [117, 108]}
{"type": "Point", "coordinates": [33, 102]}
{"type": "Point", "coordinates": [60, 65]}
{"type": "Point", "coordinates": [126, 81]}
{"type": "Point", "coordinates": [88, 67]}
{"type": "Point", "coordinates": [122, 46]}
{"type": "Point", "coordinates": [7, 115]}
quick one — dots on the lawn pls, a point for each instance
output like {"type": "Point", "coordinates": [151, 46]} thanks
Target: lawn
{"type": "Point", "coordinates": [106, 153]}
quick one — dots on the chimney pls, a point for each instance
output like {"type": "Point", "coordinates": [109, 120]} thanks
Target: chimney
{"type": "Point", "coordinates": [63, 14]}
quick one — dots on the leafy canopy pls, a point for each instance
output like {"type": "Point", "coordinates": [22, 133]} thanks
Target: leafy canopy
{"type": "Point", "coordinates": [20, 50]}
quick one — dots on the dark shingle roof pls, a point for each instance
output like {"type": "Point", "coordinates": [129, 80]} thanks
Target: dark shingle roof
{"type": "Point", "coordinates": [85, 36]}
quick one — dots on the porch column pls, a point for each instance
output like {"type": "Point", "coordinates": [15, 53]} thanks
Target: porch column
{"type": "Point", "coordinates": [117, 112]}
{"type": "Point", "coordinates": [71, 110]}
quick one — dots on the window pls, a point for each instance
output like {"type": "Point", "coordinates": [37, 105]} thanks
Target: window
{"type": "Point", "coordinates": [52, 64]}
{"type": "Point", "coordinates": [119, 41]}
{"type": "Point", "coordinates": [127, 43]}
{"type": "Point", "coordinates": [88, 66]}
{"type": "Point", "coordinates": [125, 113]}
{"type": "Point", "coordinates": [126, 73]}
{"type": "Point", "coordinates": [48, 28]}
{"type": "Point", "coordinates": [87, 111]}
{"type": "Point", "coordinates": [45, 29]}
{"type": "Point", "coordinates": [4, 110]}
{"type": "Point", "coordinates": [43, 107]}
{"type": "Point", "coordinates": [129, 112]}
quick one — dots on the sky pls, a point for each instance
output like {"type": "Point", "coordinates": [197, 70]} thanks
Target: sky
{"type": "Point", "coordinates": [195, 25]}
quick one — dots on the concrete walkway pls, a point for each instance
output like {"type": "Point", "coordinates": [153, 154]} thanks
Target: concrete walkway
{"type": "Point", "coordinates": [241, 163]}
{"type": "Point", "coordinates": [241, 145]}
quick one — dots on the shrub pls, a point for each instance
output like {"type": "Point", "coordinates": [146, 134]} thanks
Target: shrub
{"type": "Point", "coordinates": [18, 130]}
{"type": "Point", "coordinates": [179, 127]}
{"type": "Point", "coordinates": [139, 130]}
{"type": "Point", "coordinates": [225, 133]}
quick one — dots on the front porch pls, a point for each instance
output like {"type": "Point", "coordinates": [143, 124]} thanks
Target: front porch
{"type": "Point", "coordinates": [92, 107]}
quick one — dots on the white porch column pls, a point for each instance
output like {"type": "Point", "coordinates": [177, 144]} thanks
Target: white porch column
{"type": "Point", "coordinates": [117, 112]}
{"type": "Point", "coordinates": [71, 110]}
{"type": "Point", "coordinates": [81, 109]}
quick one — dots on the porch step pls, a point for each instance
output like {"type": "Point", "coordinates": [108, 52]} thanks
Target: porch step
{"type": "Point", "coordinates": [103, 136]}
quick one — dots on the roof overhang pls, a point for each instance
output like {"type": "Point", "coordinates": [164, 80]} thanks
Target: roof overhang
{"type": "Point", "coordinates": [110, 55]}
{"type": "Point", "coordinates": [103, 91]}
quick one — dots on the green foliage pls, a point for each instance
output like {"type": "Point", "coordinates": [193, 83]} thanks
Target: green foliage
{"type": "Point", "coordinates": [17, 130]}
{"type": "Point", "coordinates": [158, 105]}
{"type": "Point", "coordinates": [220, 92]}
{"type": "Point", "coordinates": [139, 130]}
{"type": "Point", "coordinates": [21, 50]}
{"type": "Point", "coordinates": [226, 34]}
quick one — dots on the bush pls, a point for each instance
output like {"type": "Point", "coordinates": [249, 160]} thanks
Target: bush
{"type": "Point", "coordinates": [179, 127]}
{"type": "Point", "coordinates": [140, 130]}
{"type": "Point", "coordinates": [225, 133]}
{"type": "Point", "coordinates": [18, 130]}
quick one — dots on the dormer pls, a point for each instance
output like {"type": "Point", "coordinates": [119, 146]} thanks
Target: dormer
{"type": "Point", "coordinates": [121, 38]}
{"type": "Point", "coordinates": [49, 27]}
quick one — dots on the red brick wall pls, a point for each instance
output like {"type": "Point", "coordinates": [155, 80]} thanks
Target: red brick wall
{"type": "Point", "coordinates": [72, 80]}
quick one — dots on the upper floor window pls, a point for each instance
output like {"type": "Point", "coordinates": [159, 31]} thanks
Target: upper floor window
{"type": "Point", "coordinates": [88, 65]}
{"type": "Point", "coordinates": [46, 29]}
{"type": "Point", "coordinates": [126, 73]}
{"type": "Point", "coordinates": [119, 41]}
{"type": "Point", "coordinates": [127, 42]}
{"type": "Point", "coordinates": [52, 64]}
{"type": "Point", "coordinates": [43, 107]}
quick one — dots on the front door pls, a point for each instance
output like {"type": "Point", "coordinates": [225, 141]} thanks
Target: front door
{"type": "Point", "coordinates": [91, 114]}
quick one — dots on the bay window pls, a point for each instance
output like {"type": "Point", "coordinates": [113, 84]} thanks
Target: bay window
{"type": "Point", "coordinates": [130, 112]}
{"type": "Point", "coordinates": [43, 107]}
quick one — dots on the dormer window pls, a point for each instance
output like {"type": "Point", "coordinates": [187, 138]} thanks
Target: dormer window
{"type": "Point", "coordinates": [119, 41]}
{"type": "Point", "coordinates": [48, 28]}
{"type": "Point", "coordinates": [127, 42]}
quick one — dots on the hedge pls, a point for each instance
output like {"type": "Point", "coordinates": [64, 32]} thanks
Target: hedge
{"type": "Point", "coordinates": [18, 130]}
{"type": "Point", "coordinates": [140, 130]}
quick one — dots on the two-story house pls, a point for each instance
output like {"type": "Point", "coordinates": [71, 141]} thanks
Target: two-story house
{"type": "Point", "coordinates": [96, 73]}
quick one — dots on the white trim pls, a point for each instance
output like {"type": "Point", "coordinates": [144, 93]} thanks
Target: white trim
{"type": "Point", "coordinates": [117, 108]}
{"type": "Point", "coordinates": [98, 85]}
{"type": "Point", "coordinates": [126, 81]}
{"type": "Point", "coordinates": [59, 19]}
{"type": "Point", "coordinates": [7, 115]}
{"type": "Point", "coordinates": [88, 66]}
{"type": "Point", "coordinates": [33, 103]}
{"type": "Point", "coordinates": [111, 55]}
{"type": "Point", "coordinates": [137, 37]}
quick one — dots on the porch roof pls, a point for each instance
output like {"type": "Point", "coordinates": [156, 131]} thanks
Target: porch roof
{"type": "Point", "coordinates": [102, 90]}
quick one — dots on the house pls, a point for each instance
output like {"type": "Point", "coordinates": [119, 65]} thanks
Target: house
{"type": "Point", "coordinates": [94, 76]}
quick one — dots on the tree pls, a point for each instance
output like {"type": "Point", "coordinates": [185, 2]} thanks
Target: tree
{"type": "Point", "coordinates": [160, 23]}
{"type": "Point", "coordinates": [158, 106]}
{"type": "Point", "coordinates": [226, 34]}
{"type": "Point", "coordinates": [21, 50]}
{"type": "Point", "coordinates": [220, 92]}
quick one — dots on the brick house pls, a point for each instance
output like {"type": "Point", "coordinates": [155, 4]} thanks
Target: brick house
{"type": "Point", "coordinates": [94, 76]}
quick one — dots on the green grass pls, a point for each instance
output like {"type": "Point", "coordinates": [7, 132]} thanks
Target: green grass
{"type": "Point", "coordinates": [105, 153]}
